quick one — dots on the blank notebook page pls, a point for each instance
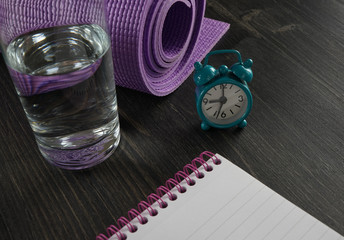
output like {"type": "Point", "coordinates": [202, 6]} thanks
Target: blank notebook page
{"type": "Point", "coordinates": [228, 203]}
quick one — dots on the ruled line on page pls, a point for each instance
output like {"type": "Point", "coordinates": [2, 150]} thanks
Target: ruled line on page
{"type": "Point", "coordinates": [221, 209]}
{"type": "Point", "coordinates": [305, 234]}
{"type": "Point", "coordinates": [279, 222]}
{"type": "Point", "coordinates": [237, 210]}
{"type": "Point", "coordinates": [321, 236]}
{"type": "Point", "coordinates": [249, 216]}
{"type": "Point", "coordinates": [265, 218]}
{"type": "Point", "coordinates": [295, 223]}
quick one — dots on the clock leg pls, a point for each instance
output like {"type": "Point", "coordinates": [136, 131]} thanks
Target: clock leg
{"type": "Point", "coordinates": [205, 126]}
{"type": "Point", "coordinates": [242, 124]}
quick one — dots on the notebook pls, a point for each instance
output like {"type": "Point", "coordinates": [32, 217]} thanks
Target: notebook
{"type": "Point", "coordinates": [214, 199]}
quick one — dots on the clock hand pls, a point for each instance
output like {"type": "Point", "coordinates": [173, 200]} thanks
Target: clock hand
{"type": "Point", "coordinates": [219, 109]}
{"type": "Point", "coordinates": [216, 100]}
{"type": "Point", "coordinates": [223, 101]}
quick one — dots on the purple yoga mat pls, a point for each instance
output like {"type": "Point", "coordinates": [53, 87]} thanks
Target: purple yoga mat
{"type": "Point", "coordinates": [154, 42]}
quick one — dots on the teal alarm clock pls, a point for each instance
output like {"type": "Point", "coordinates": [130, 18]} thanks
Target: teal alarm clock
{"type": "Point", "coordinates": [223, 98]}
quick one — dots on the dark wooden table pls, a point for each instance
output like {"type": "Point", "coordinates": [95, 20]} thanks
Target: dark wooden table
{"type": "Point", "coordinates": [294, 141]}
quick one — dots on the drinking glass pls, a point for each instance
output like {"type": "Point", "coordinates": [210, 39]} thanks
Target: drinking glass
{"type": "Point", "coordinates": [58, 53]}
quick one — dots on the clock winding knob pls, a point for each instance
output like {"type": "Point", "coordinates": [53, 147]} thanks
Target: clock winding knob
{"type": "Point", "coordinates": [223, 70]}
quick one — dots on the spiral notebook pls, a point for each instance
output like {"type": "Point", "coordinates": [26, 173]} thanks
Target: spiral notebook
{"type": "Point", "coordinates": [214, 199]}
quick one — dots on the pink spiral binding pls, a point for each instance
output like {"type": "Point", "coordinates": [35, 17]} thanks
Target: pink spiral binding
{"type": "Point", "coordinates": [143, 205]}
{"type": "Point", "coordinates": [157, 197]}
{"type": "Point", "coordinates": [152, 198]}
{"type": "Point", "coordinates": [171, 183]}
{"type": "Point", "coordinates": [111, 230]}
{"type": "Point", "coordinates": [122, 221]}
{"type": "Point", "coordinates": [180, 176]}
{"type": "Point", "coordinates": [162, 189]}
{"type": "Point", "coordinates": [193, 169]}
{"type": "Point", "coordinates": [133, 213]}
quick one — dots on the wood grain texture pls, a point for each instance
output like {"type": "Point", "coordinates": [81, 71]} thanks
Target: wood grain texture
{"type": "Point", "coordinates": [294, 141]}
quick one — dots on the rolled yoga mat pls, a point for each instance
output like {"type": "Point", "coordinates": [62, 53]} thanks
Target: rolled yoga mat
{"type": "Point", "coordinates": [154, 42]}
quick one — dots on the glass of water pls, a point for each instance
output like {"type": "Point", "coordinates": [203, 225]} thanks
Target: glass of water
{"type": "Point", "coordinates": [60, 60]}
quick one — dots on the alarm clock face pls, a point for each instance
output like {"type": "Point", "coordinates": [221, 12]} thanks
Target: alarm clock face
{"type": "Point", "coordinates": [224, 103]}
